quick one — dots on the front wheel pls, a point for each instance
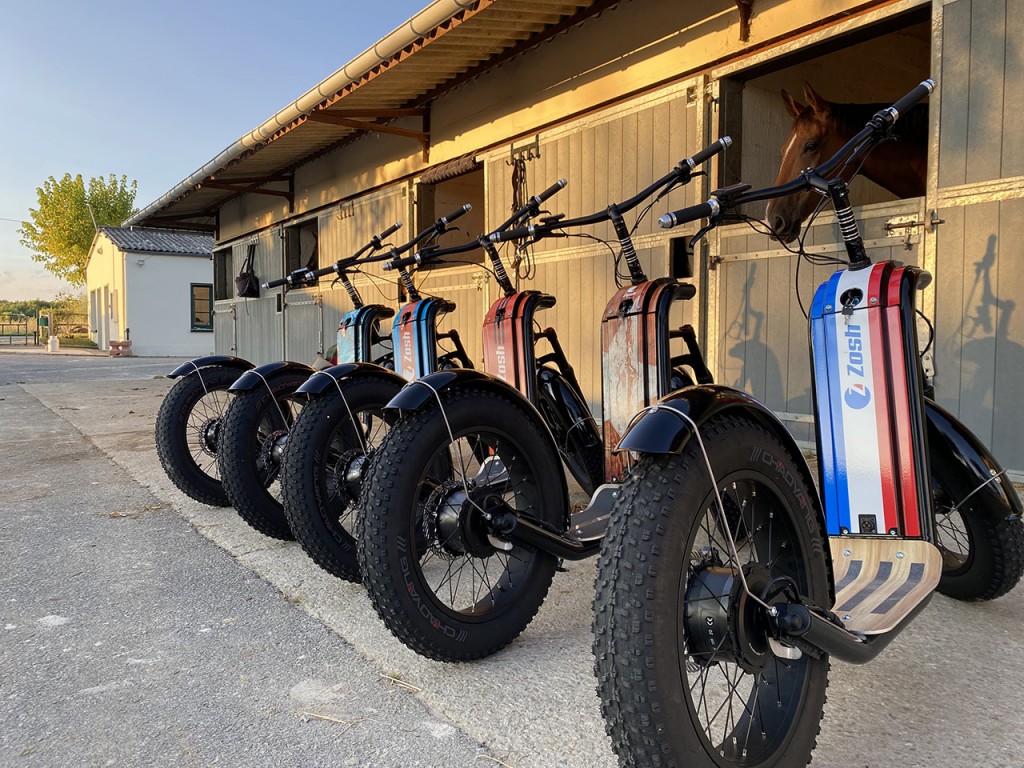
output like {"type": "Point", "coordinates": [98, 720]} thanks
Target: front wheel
{"type": "Point", "coordinates": [686, 674]}
{"type": "Point", "coordinates": [188, 428]}
{"type": "Point", "coordinates": [439, 577]}
{"type": "Point", "coordinates": [982, 552]}
{"type": "Point", "coordinates": [329, 450]}
{"type": "Point", "coordinates": [254, 434]}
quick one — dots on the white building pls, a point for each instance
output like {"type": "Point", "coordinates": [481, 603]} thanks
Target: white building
{"type": "Point", "coordinates": [153, 287]}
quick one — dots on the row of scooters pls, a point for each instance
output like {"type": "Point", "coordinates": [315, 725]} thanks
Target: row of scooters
{"type": "Point", "coordinates": [447, 497]}
{"type": "Point", "coordinates": [445, 489]}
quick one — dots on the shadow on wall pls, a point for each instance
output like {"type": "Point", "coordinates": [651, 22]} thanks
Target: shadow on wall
{"type": "Point", "coordinates": [983, 341]}
{"type": "Point", "coordinates": [759, 372]}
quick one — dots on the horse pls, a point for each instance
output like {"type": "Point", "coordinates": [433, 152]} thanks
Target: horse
{"type": "Point", "coordinates": [819, 129]}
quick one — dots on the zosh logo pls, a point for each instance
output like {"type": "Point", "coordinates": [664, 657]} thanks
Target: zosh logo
{"type": "Point", "coordinates": [407, 357]}
{"type": "Point", "coordinates": [857, 395]}
{"type": "Point", "coordinates": [499, 356]}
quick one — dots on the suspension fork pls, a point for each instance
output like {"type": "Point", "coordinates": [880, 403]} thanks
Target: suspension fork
{"type": "Point", "coordinates": [693, 357]}
{"type": "Point", "coordinates": [556, 356]}
{"type": "Point", "coordinates": [460, 353]}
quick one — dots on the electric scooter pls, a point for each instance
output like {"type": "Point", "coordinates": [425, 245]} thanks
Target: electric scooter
{"type": "Point", "coordinates": [726, 582]}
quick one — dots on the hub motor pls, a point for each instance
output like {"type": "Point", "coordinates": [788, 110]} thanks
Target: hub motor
{"type": "Point", "coordinates": [723, 623]}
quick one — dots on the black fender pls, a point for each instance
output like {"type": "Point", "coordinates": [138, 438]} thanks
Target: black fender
{"type": "Point", "coordinates": [417, 394]}
{"type": "Point", "coordinates": [324, 380]}
{"type": "Point", "coordinates": [267, 372]}
{"type": "Point", "coordinates": [226, 361]}
{"type": "Point", "coordinates": [661, 429]}
{"type": "Point", "coordinates": [967, 467]}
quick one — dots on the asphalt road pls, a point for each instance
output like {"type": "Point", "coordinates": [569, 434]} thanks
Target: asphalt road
{"type": "Point", "coordinates": [143, 628]}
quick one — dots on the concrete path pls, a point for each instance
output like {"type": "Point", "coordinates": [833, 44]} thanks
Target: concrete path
{"type": "Point", "coordinates": [946, 693]}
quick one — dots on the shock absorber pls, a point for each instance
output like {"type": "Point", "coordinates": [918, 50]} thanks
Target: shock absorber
{"type": "Point", "coordinates": [636, 272]}
{"type": "Point", "coordinates": [499, 268]}
{"type": "Point", "coordinates": [840, 194]}
{"type": "Point", "coordinates": [410, 288]}
{"type": "Point", "coordinates": [353, 294]}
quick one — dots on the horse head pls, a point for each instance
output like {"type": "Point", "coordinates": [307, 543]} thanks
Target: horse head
{"type": "Point", "coordinates": [820, 129]}
{"type": "Point", "coordinates": [812, 139]}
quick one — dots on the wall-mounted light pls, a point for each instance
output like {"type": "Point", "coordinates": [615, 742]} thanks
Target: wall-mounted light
{"type": "Point", "coordinates": [141, 262]}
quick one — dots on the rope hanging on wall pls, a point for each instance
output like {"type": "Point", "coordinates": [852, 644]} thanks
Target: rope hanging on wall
{"type": "Point", "coordinates": [522, 261]}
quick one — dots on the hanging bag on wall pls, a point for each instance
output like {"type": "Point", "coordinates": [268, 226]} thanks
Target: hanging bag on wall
{"type": "Point", "coordinates": [247, 285]}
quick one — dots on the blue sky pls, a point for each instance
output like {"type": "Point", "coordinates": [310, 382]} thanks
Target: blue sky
{"type": "Point", "coordinates": [152, 90]}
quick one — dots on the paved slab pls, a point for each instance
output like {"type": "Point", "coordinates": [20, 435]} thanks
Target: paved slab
{"type": "Point", "coordinates": [946, 693]}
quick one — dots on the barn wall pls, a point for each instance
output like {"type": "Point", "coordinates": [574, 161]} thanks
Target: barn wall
{"type": "Point", "coordinates": [979, 198]}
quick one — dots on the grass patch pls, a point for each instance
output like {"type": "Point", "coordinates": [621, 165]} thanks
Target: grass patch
{"type": "Point", "coordinates": [71, 341]}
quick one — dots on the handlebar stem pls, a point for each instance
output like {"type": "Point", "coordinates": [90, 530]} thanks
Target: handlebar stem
{"type": "Point", "coordinates": [498, 266]}
{"type": "Point", "coordinates": [636, 271]}
{"type": "Point", "coordinates": [410, 287]}
{"type": "Point", "coordinates": [839, 192]}
{"type": "Point", "coordinates": [353, 294]}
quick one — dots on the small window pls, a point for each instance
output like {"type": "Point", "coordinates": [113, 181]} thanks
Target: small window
{"type": "Point", "coordinates": [222, 274]}
{"type": "Point", "coordinates": [202, 306]}
{"type": "Point", "coordinates": [444, 197]}
{"type": "Point", "coordinates": [679, 258]}
{"type": "Point", "coordinates": [300, 246]}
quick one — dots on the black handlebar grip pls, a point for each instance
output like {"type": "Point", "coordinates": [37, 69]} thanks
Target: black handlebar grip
{"type": "Point", "coordinates": [456, 213]}
{"type": "Point", "coordinates": [692, 213]}
{"type": "Point", "coordinates": [321, 272]}
{"type": "Point", "coordinates": [510, 234]}
{"type": "Point", "coordinates": [558, 185]}
{"type": "Point", "coordinates": [389, 231]}
{"type": "Point", "coordinates": [405, 261]}
{"type": "Point", "coordinates": [921, 91]}
{"type": "Point", "coordinates": [275, 283]}
{"type": "Point", "coordinates": [709, 151]}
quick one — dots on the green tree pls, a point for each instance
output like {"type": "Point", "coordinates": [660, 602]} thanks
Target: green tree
{"type": "Point", "coordinates": [61, 230]}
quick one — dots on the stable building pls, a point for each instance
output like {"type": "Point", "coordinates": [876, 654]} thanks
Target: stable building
{"type": "Point", "coordinates": [151, 291]}
{"type": "Point", "coordinates": [489, 101]}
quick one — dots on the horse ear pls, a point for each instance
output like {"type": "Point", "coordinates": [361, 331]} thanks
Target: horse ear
{"type": "Point", "coordinates": [815, 100]}
{"type": "Point", "coordinates": [793, 106]}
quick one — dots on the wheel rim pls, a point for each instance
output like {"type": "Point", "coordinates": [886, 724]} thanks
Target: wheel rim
{"type": "Point", "coordinates": [468, 573]}
{"type": "Point", "coordinates": [952, 536]}
{"type": "Point", "coordinates": [346, 460]}
{"type": "Point", "coordinates": [202, 431]}
{"type": "Point", "coordinates": [744, 700]}
{"type": "Point", "coordinates": [271, 437]}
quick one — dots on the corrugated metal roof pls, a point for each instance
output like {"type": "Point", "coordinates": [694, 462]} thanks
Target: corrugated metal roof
{"type": "Point", "coordinates": [478, 35]}
{"type": "Point", "coordinates": [145, 240]}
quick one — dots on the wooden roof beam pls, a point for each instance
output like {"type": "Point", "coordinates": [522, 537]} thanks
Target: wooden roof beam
{"type": "Point", "coordinates": [338, 117]}
{"type": "Point", "coordinates": [178, 222]}
{"type": "Point", "coordinates": [243, 188]}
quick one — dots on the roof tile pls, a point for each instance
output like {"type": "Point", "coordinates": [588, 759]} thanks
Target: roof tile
{"type": "Point", "coordinates": [144, 239]}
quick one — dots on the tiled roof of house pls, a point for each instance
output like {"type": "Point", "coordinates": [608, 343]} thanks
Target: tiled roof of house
{"type": "Point", "coordinates": [146, 240]}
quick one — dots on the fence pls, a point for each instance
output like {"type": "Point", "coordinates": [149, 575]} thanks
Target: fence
{"type": "Point", "coordinates": [18, 329]}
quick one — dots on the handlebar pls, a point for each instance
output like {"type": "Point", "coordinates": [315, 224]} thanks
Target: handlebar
{"type": "Point", "coordinates": [549, 192]}
{"type": "Point", "coordinates": [309, 276]}
{"type": "Point", "coordinates": [432, 253]}
{"type": "Point", "coordinates": [876, 130]}
{"type": "Point", "coordinates": [378, 240]}
{"type": "Point", "coordinates": [681, 174]}
{"type": "Point", "coordinates": [446, 220]}
{"type": "Point", "coordinates": [291, 280]}
{"type": "Point", "coordinates": [429, 254]}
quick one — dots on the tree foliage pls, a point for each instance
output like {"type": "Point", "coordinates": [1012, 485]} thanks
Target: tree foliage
{"type": "Point", "coordinates": [61, 230]}
{"type": "Point", "coordinates": [65, 303]}
{"type": "Point", "coordinates": [25, 308]}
